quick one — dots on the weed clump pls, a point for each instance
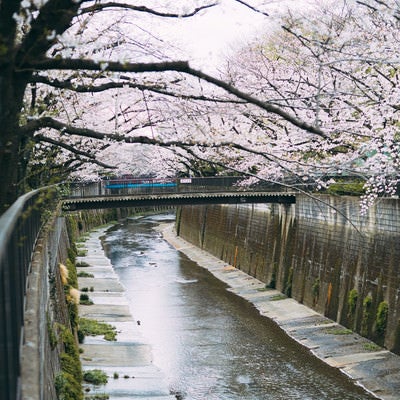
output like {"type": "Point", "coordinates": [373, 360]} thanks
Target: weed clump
{"type": "Point", "coordinates": [85, 300]}
{"type": "Point", "coordinates": [95, 376]}
{"type": "Point", "coordinates": [82, 264]}
{"type": "Point", "coordinates": [381, 320]}
{"type": "Point", "coordinates": [84, 274]}
{"type": "Point", "coordinates": [68, 382]}
{"type": "Point", "coordinates": [91, 327]}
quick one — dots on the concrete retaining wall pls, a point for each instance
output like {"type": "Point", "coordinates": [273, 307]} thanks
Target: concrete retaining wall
{"type": "Point", "coordinates": [313, 252]}
{"type": "Point", "coordinates": [46, 306]}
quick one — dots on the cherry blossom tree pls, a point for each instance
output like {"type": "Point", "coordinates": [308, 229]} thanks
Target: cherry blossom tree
{"type": "Point", "coordinates": [337, 69]}
{"type": "Point", "coordinates": [79, 77]}
{"type": "Point", "coordinates": [56, 55]}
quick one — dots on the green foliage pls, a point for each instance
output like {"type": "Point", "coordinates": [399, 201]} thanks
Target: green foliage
{"type": "Point", "coordinates": [371, 346]}
{"type": "Point", "coordinates": [68, 382]}
{"type": "Point", "coordinates": [110, 336]}
{"type": "Point", "coordinates": [367, 303]}
{"type": "Point", "coordinates": [91, 327]}
{"type": "Point", "coordinates": [346, 188]}
{"type": "Point", "coordinates": [82, 264]}
{"type": "Point", "coordinates": [352, 302]}
{"type": "Point", "coordinates": [277, 297]}
{"type": "Point", "coordinates": [3, 50]}
{"type": "Point", "coordinates": [288, 284]}
{"type": "Point", "coordinates": [381, 318]}
{"type": "Point", "coordinates": [71, 366]}
{"type": "Point", "coordinates": [97, 396]}
{"type": "Point", "coordinates": [67, 388]}
{"type": "Point", "coordinates": [339, 331]}
{"type": "Point", "coordinates": [73, 313]}
{"type": "Point", "coordinates": [72, 277]}
{"type": "Point", "coordinates": [83, 238]}
{"type": "Point", "coordinates": [72, 252]}
{"type": "Point", "coordinates": [84, 299]}
{"type": "Point", "coordinates": [81, 336]}
{"type": "Point", "coordinates": [85, 275]}
{"type": "Point", "coordinates": [95, 376]}
{"type": "Point", "coordinates": [70, 346]}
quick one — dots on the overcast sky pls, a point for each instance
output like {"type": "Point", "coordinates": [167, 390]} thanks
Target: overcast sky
{"type": "Point", "coordinates": [207, 38]}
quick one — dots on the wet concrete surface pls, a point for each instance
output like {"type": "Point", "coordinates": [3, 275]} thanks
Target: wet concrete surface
{"type": "Point", "coordinates": [127, 361]}
{"type": "Point", "coordinates": [377, 371]}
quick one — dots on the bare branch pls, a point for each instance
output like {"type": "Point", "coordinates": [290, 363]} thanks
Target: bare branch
{"type": "Point", "coordinates": [252, 8]}
{"type": "Point", "coordinates": [91, 157]}
{"type": "Point", "coordinates": [46, 122]}
{"type": "Point", "coordinates": [363, 3]}
{"type": "Point", "coordinates": [67, 84]}
{"type": "Point", "coordinates": [90, 65]}
{"type": "Point", "coordinates": [102, 6]}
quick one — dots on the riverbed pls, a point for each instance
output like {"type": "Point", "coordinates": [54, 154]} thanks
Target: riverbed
{"type": "Point", "coordinates": [208, 342]}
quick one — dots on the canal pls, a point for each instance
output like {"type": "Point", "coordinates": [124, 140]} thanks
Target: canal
{"type": "Point", "coordinates": [210, 343]}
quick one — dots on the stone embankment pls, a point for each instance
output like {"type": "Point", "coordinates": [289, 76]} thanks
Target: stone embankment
{"type": "Point", "coordinates": [128, 360]}
{"type": "Point", "coordinates": [372, 367]}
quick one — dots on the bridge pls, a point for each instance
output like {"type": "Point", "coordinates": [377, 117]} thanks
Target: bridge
{"type": "Point", "coordinates": [139, 192]}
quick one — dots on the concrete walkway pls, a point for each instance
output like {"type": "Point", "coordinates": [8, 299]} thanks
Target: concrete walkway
{"type": "Point", "coordinates": [378, 371]}
{"type": "Point", "coordinates": [129, 357]}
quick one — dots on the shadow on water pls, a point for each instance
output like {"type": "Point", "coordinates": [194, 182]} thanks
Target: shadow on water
{"type": "Point", "coordinates": [210, 343]}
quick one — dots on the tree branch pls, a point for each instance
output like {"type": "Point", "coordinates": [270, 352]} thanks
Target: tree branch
{"type": "Point", "coordinates": [177, 66]}
{"type": "Point", "coordinates": [8, 28]}
{"type": "Point", "coordinates": [252, 8]}
{"type": "Point", "coordinates": [41, 138]}
{"type": "Point", "coordinates": [102, 6]}
{"type": "Point", "coordinates": [259, 103]}
{"type": "Point", "coordinates": [67, 84]}
{"type": "Point", "coordinates": [46, 122]}
{"type": "Point", "coordinates": [54, 18]}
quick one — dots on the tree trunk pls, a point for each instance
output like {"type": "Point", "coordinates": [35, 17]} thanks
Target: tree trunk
{"type": "Point", "coordinates": [12, 88]}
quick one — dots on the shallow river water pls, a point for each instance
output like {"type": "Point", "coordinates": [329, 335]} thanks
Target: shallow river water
{"type": "Point", "coordinates": [209, 343]}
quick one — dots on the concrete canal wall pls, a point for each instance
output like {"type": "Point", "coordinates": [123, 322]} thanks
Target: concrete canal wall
{"type": "Point", "coordinates": [47, 310]}
{"type": "Point", "coordinates": [321, 252]}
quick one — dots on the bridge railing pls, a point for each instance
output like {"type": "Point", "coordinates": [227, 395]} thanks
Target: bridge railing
{"type": "Point", "coordinates": [137, 186]}
{"type": "Point", "coordinates": [19, 229]}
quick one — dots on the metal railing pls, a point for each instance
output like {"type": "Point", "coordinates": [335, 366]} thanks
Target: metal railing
{"type": "Point", "coordinates": [19, 229]}
{"type": "Point", "coordinates": [137, 186]}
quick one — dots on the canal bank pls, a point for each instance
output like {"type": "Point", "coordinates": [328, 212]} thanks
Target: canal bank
{"type": "Point", "coordinates": [127, 361]}
{"type": "Point", "coordinates": [374, 368]}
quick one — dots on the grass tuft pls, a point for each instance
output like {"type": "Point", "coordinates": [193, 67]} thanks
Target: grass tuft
{"type": "Point", "coordinates": [92, 327]}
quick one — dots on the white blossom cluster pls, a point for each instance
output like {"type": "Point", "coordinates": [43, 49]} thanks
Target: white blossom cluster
{"type": "Point", "coordinates": [335, 69]}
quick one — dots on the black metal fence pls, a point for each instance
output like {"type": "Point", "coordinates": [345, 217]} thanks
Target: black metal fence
{"type": "Point", "coordinates": [19, 230]}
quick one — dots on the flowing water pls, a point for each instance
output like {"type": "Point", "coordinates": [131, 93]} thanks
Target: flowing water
{"type": "Point", "coordinates": [209, 343]}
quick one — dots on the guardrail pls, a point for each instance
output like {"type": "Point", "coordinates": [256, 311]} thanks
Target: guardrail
{"type": "Point", "coordinates": [135, 186]}
{"type": "Point", "coordinates": [19, 229]}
